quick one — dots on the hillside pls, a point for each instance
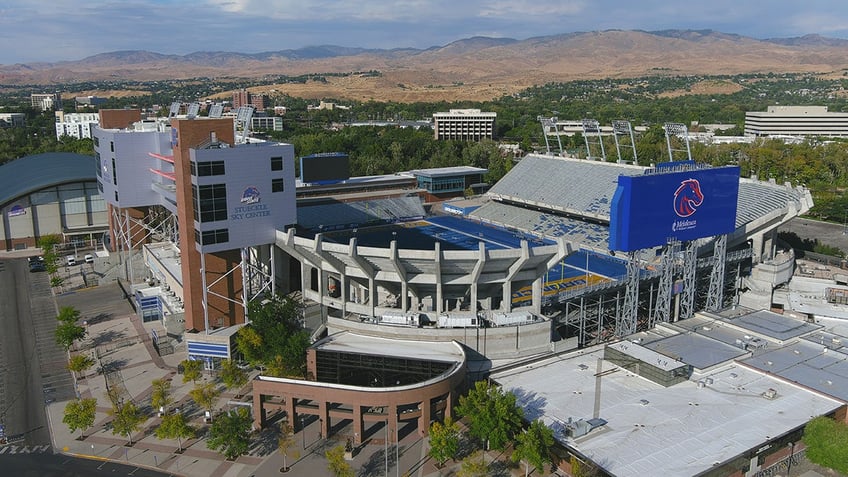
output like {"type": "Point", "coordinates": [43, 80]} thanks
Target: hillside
{"type": "Point", "coordinates": [476, 68]}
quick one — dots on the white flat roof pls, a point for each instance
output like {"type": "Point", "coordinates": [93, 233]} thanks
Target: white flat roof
{"type": "Point", "coordinates": [654, 430]}
{"type": "Point", "coordinates": [346, 342]}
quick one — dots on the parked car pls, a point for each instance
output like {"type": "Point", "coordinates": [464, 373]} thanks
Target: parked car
{"type": "Point", "coordinates": [89, 258]}
{"type": "Point", "coordinates": [71, 260]}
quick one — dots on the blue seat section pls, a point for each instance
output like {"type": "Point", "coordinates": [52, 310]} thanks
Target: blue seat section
{"type": "Point", "coordinates": [335, 215]}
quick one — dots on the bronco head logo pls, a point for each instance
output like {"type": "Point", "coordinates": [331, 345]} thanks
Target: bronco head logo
{"type": "Point", "coordinates": [250, 195]}
{"type": "Point", "coordinates": [688, 197]}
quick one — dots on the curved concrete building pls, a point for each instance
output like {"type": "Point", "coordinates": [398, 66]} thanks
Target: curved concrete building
{"type": "Point", "coordinates": [52, 193]}
{"type": "Point", "coordinates": [370, 381]}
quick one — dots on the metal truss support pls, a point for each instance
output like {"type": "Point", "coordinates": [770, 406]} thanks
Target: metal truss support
{"type": "Point", "coordinates": [547, 124]}
{"type": "Point", "coordinates": [681, 131]}
{"type": "Point", "coordinates": [131, 231]}
{"type": "Point", "coordinates": [591, 128]}
{"type": "Point", "coordinates": [715, 298]}
{"type": "Point", "coordinates": [623, 128]}
{"type": "Point", "coordinates": [662, 309]}
{"type": "Point", "coordinates": [690, 267]}
{"type": "Point", "coordinates": [256, 279]}
{"type": "Point", "coordinates": [626, 324]}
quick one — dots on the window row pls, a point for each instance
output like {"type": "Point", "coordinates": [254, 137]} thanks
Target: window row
{"type": "Point", "coordinates": [207, 168]}
{"type": "Point", "coordinates": [210, 202]}
{"type": "Point", "coordinates": [211, 237]}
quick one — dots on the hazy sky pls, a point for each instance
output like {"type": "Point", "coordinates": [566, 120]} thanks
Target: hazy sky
{"type": "Point", "coordinates": [56, 30]}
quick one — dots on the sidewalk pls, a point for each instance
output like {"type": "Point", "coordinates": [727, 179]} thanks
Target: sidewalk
{"type": "Point", "coordinates": [122, 341]}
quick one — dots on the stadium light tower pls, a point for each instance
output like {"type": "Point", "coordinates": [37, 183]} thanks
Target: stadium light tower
{"type": "Point", "coordinates": [679, 130]}
{"type": "Point", "coordinates": [591, 127]}
{"type": "Point", "coordinates": [623, 128]}
{"type": "Point", "coordinates": [547, 124]}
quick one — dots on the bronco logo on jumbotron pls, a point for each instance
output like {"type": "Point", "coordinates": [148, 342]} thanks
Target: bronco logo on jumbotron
{"type": "Point", "coordinates": [687, 198]}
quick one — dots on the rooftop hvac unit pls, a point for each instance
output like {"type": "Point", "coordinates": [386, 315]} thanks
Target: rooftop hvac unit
{"type": "Point", "coordinates": [770, 393]}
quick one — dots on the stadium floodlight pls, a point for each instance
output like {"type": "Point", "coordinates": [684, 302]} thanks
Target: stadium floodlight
{"type": "Point", "coordinates": [679, 130]}
{"type": "Point", "coordinates": [623, 128]}
{"type": "Point", "coordinates": [175, 109]}
{"type": "Point", "coordinates": [193, 109]}
{"type": "Point", "coordinates": [216, 110]}
{"type": "Point", "coordinates": [243, 117]}
{"type": "Point", "coordinates": [591, 128]}
{"type": "Point", "coordinates": [547, 125]}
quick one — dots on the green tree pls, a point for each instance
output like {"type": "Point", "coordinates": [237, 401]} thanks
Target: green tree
{"type": "Point", "coordinates": [67, 333]}
{"type": "Point", "coordinates": [533, 446]}
{"type": "Point", "coordinates": [79, 363]}
{"type": "Point", "coordinates": [205, 395]}
{"type": "Point", "coordinates": [336, 463]}
{"type": "Point", "coordinates": [493, 415]}
{"type": "Point", "coordinates": [827, 443]}
{"type": "Point", "coordinates": [444, 440]}
{"type": "Point", "coordinates": [48, 242]}
{"type": "Point", "coordinates": [160, 397]}
{"type": "Point", "coordinates": [232, 376]}
{"type": "Point", "coordinates": [276, 329]}
{"type": "Point", "coordinates": [126, 419]}
{"type": "Point", "coordinates": [285, 442]}
{"type": "Point", "coordinates": [230, 433]}
{"type": "Point", "coordinates": [80, 414]}
{"type": "Point", "coordinates": [474, 466]}
{"type": "Point", "coordinates": [192, 370]}
{"type": "Point", "coordinates": [174, 426]}
{"type": "Point", "coordinates": [68, 314]}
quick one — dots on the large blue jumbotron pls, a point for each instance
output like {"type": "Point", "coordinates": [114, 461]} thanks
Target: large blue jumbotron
{"type": "Point", "coordinates": [648, 210]}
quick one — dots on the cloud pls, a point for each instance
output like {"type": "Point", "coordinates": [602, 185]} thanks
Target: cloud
{"type": "Point", "coordinates": [53, 30]}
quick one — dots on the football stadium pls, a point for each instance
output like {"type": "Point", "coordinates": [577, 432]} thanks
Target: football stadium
{"type": "Point", "coordinates": [529, 265]}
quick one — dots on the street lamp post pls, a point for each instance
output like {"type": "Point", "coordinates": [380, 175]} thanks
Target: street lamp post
{"type": "Point", "coordinates": [303, 431]}
{"type": "Point", "coordinates": [791, 455]}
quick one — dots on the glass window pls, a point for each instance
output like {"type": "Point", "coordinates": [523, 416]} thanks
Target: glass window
{"type": "Point", "coordinates": [277, 185]}
{"type": "Point", "coordinates": [210, 202]}
{"type": "Point", "coordinates": [276, 163]}
{"type": "Point", "coordinates": [211, 237]}
{"type": "Point", "coordinates": [210, 168]}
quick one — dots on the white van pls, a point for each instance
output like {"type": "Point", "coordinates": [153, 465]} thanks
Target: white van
{"type": "Point", "coordinates": [71, 260]}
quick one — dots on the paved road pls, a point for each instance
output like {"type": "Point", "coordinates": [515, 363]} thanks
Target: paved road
{"type": "Point", "coordinates": [28, 318]}
{"type": "Point", "coordinates": [57, 465]}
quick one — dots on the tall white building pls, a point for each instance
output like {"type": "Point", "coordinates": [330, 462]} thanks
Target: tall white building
{"type": "Point", "coordinates": [464, 124]}
{"type": "Point", "coordinates": [45, 101]}
{"type": "Point", "coordinates": [796, 121]}
{"type": "Point", "coordinates": [77, 125]}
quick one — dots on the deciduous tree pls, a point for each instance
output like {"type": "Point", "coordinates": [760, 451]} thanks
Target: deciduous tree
{"type": "Point", "coordinates": [161, 397]}
{"type": "Point", "coordinates": [232, 376]}
{"type": "Point", "coordinates": [444, 440]}
{"type": "Point", "coordinates": [205, 395]}
{"type": "Point", "coordinates": [493, 415]}
{"type": "Point", "coordinates": [230, 433]}
{"type": "Point", "coordinates": [533, 446]}
{"type": "Point", "coordinates": [80, 414]}
{"type": "Point", "coordinates": [336, 463]}
{"type": "Point", "coordinates": [174, 426]}
{"type": "Point", "coordinates": [191, 370]}
{"type": "Point", "coordinates": [126, 419]}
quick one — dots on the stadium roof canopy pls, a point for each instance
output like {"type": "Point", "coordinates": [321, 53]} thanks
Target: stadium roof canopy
{"type": "Point", "coordinates": [32, 173]}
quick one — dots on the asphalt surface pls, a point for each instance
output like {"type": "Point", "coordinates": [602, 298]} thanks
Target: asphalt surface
{"type": "Point", "coordinates": [57, 465]}
{"type": "Point", "coordinates": [28, 347]}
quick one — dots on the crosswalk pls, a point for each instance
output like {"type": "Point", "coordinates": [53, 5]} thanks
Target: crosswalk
{"type": "Point", "coordinates": [12, 450]}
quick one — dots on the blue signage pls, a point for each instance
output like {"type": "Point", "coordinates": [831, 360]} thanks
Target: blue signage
{"type": "Point", "coordinates": [648, 210]}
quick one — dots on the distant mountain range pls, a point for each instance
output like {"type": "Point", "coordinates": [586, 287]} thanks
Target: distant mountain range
{"type": "Point", "coordinates": [488, 62]}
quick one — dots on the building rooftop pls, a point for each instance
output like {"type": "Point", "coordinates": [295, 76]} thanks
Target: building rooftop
{"type": "Point", "coordinates": [31, 173]}
{"type": "Point", "coordinates": [684, 429]}
{"type": "Point", "coordinates": [346, 342]}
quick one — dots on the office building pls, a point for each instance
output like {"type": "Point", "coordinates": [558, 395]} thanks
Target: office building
{"type": "Point", "coordinates": [44, 102]}
{"type": "Point", "coordinates": [796, 121]}
{"type": "Point", "coordinates": [464, 125]}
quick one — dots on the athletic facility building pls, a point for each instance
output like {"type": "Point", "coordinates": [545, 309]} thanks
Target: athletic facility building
{"type": "Point", "coordinates": [51, 194]}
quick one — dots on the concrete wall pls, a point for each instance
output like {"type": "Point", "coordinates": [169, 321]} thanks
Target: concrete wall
{"type": "Point", "coordinates": [494, 343]}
